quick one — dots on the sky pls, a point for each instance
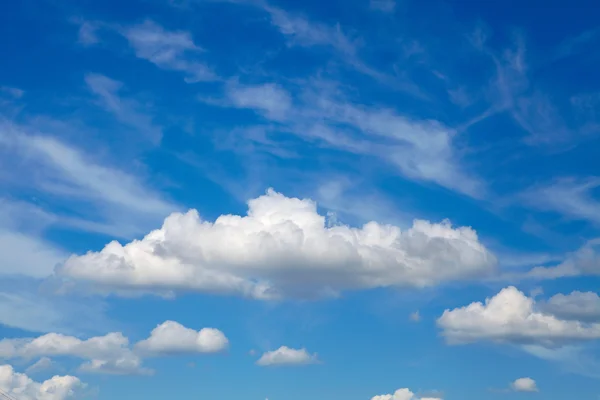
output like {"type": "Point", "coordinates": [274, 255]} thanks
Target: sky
{"type": "Point", "coordinates": [269, 199]}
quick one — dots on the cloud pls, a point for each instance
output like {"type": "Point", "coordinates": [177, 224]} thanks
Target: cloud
{"type": "Point", "coordinates": [21, 386]}
{"type": "Point", "coordinates": [583, 262]}
{"type": "Point", "coordinates": [13, 92]}
{"type": "Point", "coordinates": [287, 356]}
{"type": "Point", "coordinates": [43, 364]}
{"type": "Point", "coordinates": [124, 109]}
{"type": "Point", "coordinates": [385, 6]}
{"type": "Point", "coordinates": [524, 385]}
{"type": "Point", "coordinates": [87, 33]}
{"type": "Point", "coordinates": [173, 338]}
{"type": "Point", "coordinates": [112, 353]}
{"type": "Point", "coordinates": [282, 247]}
{"type": "Point", "coordinates": [169, 50]}
{"type": "Point", "coordinates": [109, 354]}
{"type": "Point", "coordinates": [512, 317]}
{"type": "Point", "coordinates": [415, 316]}
{"type": "Point", "coordinates": [577, 306]}
{"type": "Point", "coordinates": [402, 394]}
{"type": "Point", "coordinates": [421, 150]}
{"type": "Point", "coordinates": [113, 201]}
{"type": "Point", "coordinates": [567, 196]}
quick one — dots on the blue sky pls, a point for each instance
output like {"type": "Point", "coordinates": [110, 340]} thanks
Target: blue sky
{"type": "Point", "coordinates": [242, 199]}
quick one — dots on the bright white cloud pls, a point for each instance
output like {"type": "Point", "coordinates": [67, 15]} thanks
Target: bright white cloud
{"type": "Point", "coordinates": [512, 317]}
{"type": "Point", "coordinates": [402, 394]}
{"type": "Point", "coordinates": [579, 306]}
{"type": "Point", "coordinates": [524, 385]}
{"type": "Point", "coordinates": [283, 247]}
{"type": "Point", "coordinates": [21, 387]}
{"type": "Point", "coordinates": [171, 337]}
{"type": "Point", "coordinates": [271, 99]}
{"type": "Point", "coordinates": [170, 50]}
{"type": "Point", "coordinates": [287, 356]}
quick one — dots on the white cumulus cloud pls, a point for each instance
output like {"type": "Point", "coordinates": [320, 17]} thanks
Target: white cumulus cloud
{"type": "Point", "coordinates": [287, 356]}
{"type": "Point", "coordinates": [524, 385]}
{"type": "Point", "coordinates": [282, 247]}
{"type": "Point", "coordinates": [581, 306]}
{"type": "Point", "coordinates": [512, 317]}
{"type": "Point", "coordinates": [171, 337]}
{"type": "Point", "coordinates": [22, 387]}
{"type": "Point", "coordinates": [402, 394]}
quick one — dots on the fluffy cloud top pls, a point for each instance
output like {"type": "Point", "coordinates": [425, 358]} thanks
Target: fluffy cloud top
{"type": "Point", "coordinates": [287, 356]}
{"type": "Point", "coordinates": [510, 316]}
{"type": "Point", "coordinates": [173, 338]}
{"type": "Point", "coordinates": [524, 385]}
{"type": "Point", "coordinates": [402, 394]}
{"type": "Point", "coordinates": [22, 387]}
{"type": "Point", "coordinates": [282, 247]}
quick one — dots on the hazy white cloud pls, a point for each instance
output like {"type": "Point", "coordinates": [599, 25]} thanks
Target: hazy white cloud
{"type": "Point", "coordinates": [13, 92]}
{"type": "Point", "coordinates": [402, 394]}
{"type": "Point", "coordinates": [421, 150]}
{"type": "Point", "coordinates": [283, 247]}
{"type": "Point", "coordinates": [524, 385]}
{"type": "Point", "coordinates": [22, 387]}
{"type": "Point", "coordinates": [126, 110]}
{"type": "Point", "coordinates": [171, 337]}
{"type": "Point", "coordinates": [415, 316]}
{"type": "Point", "coordinates": [87, 34]}
{"type": "Point", "coordinates": [169, 50]}
{"type": "Point", "coordinates": [287, 356]}
{"type": "Point", "coordinates": [113, 201]}
{"type": "Point", "coordinates": [41, 365]}
{"type": "Point", "coordinates": [512, 317]}
{"type": "Point", "coordinates": [386, 6]}
{"type": "Point", "coordinates": [583, 262]}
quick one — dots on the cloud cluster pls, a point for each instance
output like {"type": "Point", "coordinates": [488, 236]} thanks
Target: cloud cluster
{"type": "Point", "coordinates": [112, 353]}
{"type": "Point", "coordinates": [578, 306]}
{"type": "Point", "coordinates": [402, 394]}
{"type": "Point", "coordinates": [287, 356]}
{"type": "Point", "coordinates": [282, 247]}
{"type": "Point", "coordinates": [512, 317]}
{"type": "Point", "coordinates": [22, 387]}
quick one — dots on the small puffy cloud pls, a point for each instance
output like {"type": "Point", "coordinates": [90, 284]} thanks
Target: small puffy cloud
{"type": "Point", "coordinates": [282, 248]}
{"type": "Point", "coordinates": [270, 99]}
{"type": "Point", "coordinates": [524, 385]}
{"type": "Point", "coordinates": [287, 356]}
{"type": "Point", "coordinates": [22, 387]}
{"type": "Point", "coordinates": [512, 317]}
{"type": "Point", "coordinates": [402, 394]}
{"type": "Point", "coordinates": [171, 337]}
{"type": "Point", "coordinates": [578, 306]}
{"type": "Point", "coordinates": [415, 317]}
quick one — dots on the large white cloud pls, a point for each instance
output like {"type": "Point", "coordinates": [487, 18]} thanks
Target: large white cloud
{"type": "Point", "coordinates": [282, 247]}
{"type": "Point", "coordinates": [287, 356]}
{"type": "Point", "coordinates": [171, 337]}
{"type": "Point", "coordinates": [402, 394]}
{"type": "Point", "coordinates": [512, 317]}
{"type": "Point", "coordinates": [21, 387]}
